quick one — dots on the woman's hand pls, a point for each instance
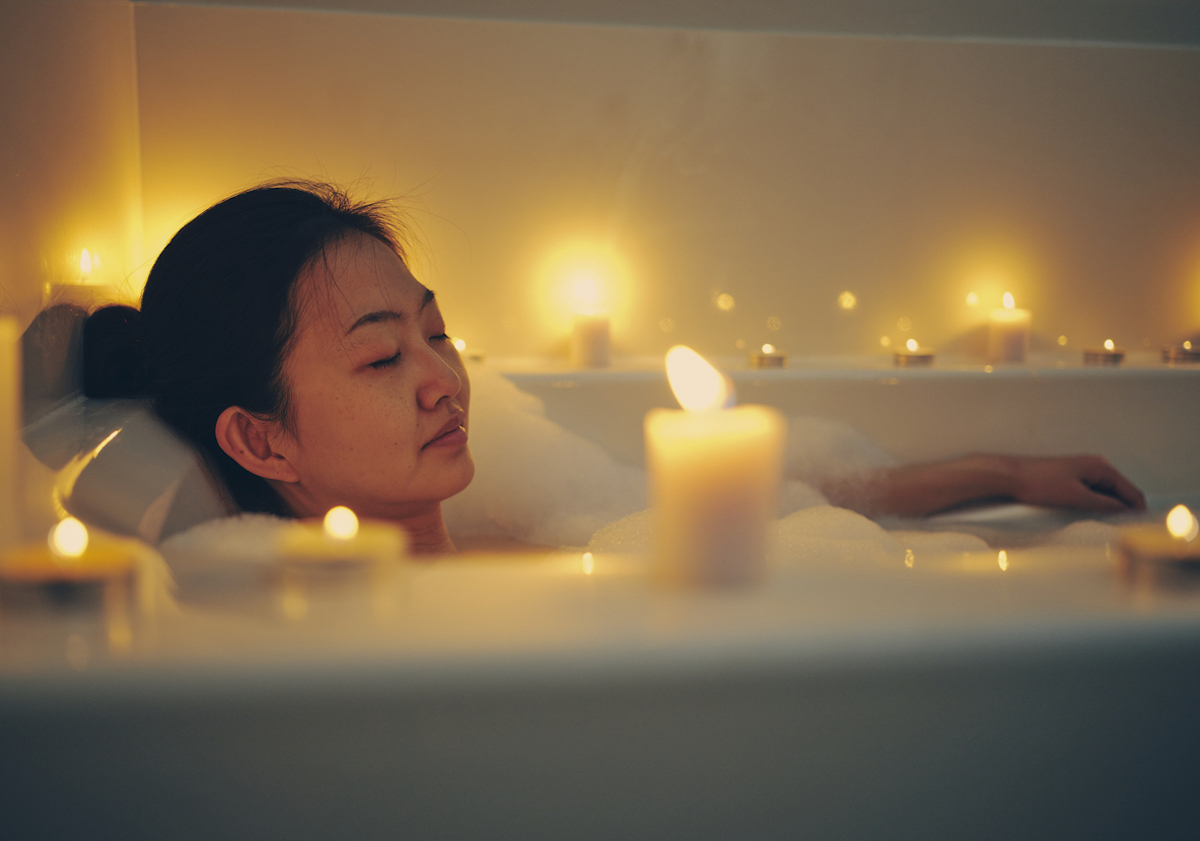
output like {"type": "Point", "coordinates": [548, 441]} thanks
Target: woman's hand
{"type": "Point", "coordinates": [1088, 483]}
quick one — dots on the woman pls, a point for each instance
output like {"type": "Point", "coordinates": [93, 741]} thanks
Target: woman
{"type": "Point", "coordinates": [283, 334]}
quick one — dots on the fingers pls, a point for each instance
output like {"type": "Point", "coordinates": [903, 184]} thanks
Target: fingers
{"type": "Point", "coordinates": [1102, 477]}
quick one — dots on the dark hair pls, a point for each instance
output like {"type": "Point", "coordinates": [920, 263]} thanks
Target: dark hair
{"type": "Point", "coordinates": [219, 313]}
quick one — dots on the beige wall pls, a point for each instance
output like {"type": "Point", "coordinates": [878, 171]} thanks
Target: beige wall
{"type": "Point", "coordinates": [69, 161]}
{"type": "Point", "coordinates": [779, 168]}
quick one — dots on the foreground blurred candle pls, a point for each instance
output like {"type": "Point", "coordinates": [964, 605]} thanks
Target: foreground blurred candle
{"type": "Point", "coordinates": [1008, 332]}
{"type": "Point", "coordinates": [341, 539]}
{"type": "Point", "coordinates": [10, 426]}
{"type": "Point", "coordinates": [714, 478]}
{"type": "Point", "coordinates": [1151, 543]}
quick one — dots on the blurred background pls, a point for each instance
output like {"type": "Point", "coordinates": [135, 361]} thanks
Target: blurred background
{"type": "Point", "coordinates": [817, 175]}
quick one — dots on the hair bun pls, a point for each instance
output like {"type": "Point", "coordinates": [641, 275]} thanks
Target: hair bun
{"type": "Point", "coordinates": [114, 361]}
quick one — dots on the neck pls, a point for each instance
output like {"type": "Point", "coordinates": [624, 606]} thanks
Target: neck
{"type": "Point", "coordinates": [427, 531]}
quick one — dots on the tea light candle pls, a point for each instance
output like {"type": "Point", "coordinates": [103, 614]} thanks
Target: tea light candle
{"type": "Point", "coordinates": [1008, 332]}
{"type": "Point", "coordinates": [590, 341]}
{"type": "Point", "coordinates": [714, 478]}
{"type": "Point", "coordinates": [768, 357]}
{"type": "Point", "coordinates": [912, 355]}
{"type": "Point", "coordinates": [10, 425]}
{"type": "Point", "coordinates": [86, 291]}
{"type": "Point", "coordinates": [1183, 352]}
{"type": "Point", "coordinates": [1173, 546]}
{"type": "Point", "coordinates": [1110, 354]}
{"type": "Point", "coordinates": [341, 540]}
{"type": "Point", "coordinates": [71, 555]}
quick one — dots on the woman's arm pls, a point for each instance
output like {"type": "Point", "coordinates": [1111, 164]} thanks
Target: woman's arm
{"type": "Point", "coordinates": [1087, 483]}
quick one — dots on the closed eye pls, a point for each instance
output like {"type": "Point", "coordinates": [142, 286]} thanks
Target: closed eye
{"type": "Point", "coordinates": [440, 337]}
{"type": "Point", "coordinates": [386, 363]}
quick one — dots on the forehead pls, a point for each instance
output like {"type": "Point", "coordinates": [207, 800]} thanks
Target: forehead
{"type": "Point", "coordinates": [355, 276]}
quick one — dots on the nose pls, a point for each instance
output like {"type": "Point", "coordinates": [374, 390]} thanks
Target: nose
{"type": "Point", "coordinates": [439, 380]}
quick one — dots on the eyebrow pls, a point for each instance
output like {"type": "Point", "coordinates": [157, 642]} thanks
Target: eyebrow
{"type": "Point", "coordinates": [380, 316]}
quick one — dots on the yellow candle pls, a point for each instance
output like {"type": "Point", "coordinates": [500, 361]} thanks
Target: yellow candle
{"type": "Point", "coordinates": [714, 478]}
{"type": "Point", "coordinates": [1008, 332]}
{"type": "Point", "coordinates": [590, 341]}
{"type": "Point", "coordinates": [71, 555]}
{"type": "Point", "coordinates": [10, 426]}
{"type": "Point", "coordinates": [341, 539]}
{"type": "Point", "coordinates": [1152, 543]}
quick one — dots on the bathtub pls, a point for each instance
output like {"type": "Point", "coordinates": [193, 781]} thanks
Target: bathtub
{"type": "Point", "coordinates": [1141, 415]}
{"type": "Point", "coordinates": [539, 697]}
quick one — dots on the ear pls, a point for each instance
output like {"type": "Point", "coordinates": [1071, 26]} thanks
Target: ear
{"type": "Point", "coordinates": [253, 443]}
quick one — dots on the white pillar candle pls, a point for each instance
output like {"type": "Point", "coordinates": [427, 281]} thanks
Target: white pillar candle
{"type": "Point", "coordinates": [714, 478]}
{"type": "Point", "coordinates": [10, 426]}
{"type": "Point", "coordinates": [590, 341]}
{"type": "Point", "coordinates": [1008, 332]}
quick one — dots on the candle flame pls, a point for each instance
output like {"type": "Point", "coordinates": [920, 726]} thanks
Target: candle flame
{"type": "Point", "coordinates": [85, 262]}
{"type": "Point", "coordinates": [1009, 303]}
{"type": "Point", "coordinates": [68, 539]}
{"type": "Point", "coordinates": [1002, 560]}
{"type": "Point", "coordinates": [1181, 523]}
{"type": "Point", "coordinates": [698, 386]}
{"type": "Point", "coordinates": [1108, 344]}
{"type": "Point", "coordinates": [911, 344]}
{"type": "Point", "coordinates": [589, 564]}
{"type": "Point", "coordinates": [460, 345]}
{"type": "Point", "coordinates": [1187, 345]}
{"type": "Point", "coordinates": [768, 348]}
{"type": "Point", "coordinates": [341, 523]}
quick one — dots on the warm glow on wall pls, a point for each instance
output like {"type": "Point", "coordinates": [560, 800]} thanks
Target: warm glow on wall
{"type": "Point", "coordinates": [581, 277]}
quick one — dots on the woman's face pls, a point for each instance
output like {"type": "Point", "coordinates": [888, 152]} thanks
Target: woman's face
{"type": "Point", "coordinates": [378, 393]}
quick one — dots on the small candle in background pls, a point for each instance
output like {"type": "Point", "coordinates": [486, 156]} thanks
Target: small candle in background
{"type": "Point", "coordinates": [1184, 352]}
{"type": "Point", "coordinates": [1110, 354]}
{"type": "Point", "coordinates": [912, 355]}
{"type": "Point", "coordinates": [342, 540]}
{"type": "Point", "coordinates": [1008, 332]}
{"type": "Point", "coordinates": [86, 291]}
{"type": "Point", "coordinates": [591, 341]}
{"type": "Point", "coordinates": [714, 478]}
{"type": "Point", "coordinates": [768, 357]}
{"type": "Point", "coordinates": [10, 427]}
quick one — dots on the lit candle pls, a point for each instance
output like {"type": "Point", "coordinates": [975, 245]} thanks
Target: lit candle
{"type": "Point", "coordinates": [1008, 332]}
{"type": "Point", "coordinates": [714, 478]}
{"type": "Point", "coordinates": [1148, 548]}
{"type": "Point", "coordinates": [340, 539]}
{"type": "Point", "coordinates": [769, 357]}
{"type": "Point", "coordinates": [591, 342]}
{"type": "Point", "coordinates": [86, 290]}
{"type": "Point", "coordinates": [912, 355]}
{"type": "Point", "coordinates": [10, 426]}
{"type": "Point", "coordinates": [1110, 354]}
{"type": "Point", "coordinates": [1184, 352]}
{"type": "Point", "coordinates": [71, 555]}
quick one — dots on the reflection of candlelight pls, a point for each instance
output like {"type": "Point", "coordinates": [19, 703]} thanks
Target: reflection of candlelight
{"type": "Point", "coordinates": [714, 476]}
{"type": "Point", "coordinates": [1008, 332]}
{"type": "Point", "coordinates": [86, 290]}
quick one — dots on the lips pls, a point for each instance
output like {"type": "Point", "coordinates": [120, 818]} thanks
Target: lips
{"type": "Point", "coordinates": [450, 432]}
